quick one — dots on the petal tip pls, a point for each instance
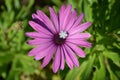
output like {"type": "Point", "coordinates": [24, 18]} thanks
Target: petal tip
{"type": "Point", "coordinates": [77, 65]}
{"type": "Point", "coordinates": [38, 11]}
{"type": "Point", "coordinates": [89, 35]}
{"type": "Point", "coordinates": [43, 65]}
{"type": "Point", "coordinates": [30, 23]}
{"type": "Point", "coordinates": [90, 45]}
{"type": "Point", "coordinates": [34, 16]}
{"type": "Point", "coordinates": [29, 54]}
{"type": "Point", "coordinates": [90, 23]}
{"type": "Point", "coordinates": [55, 70]}
{"type": "Point", "coordinates": [27, 34]}
{"type": "Point", "coordinates": [36, 58]}
{"type": "Point", "coordinates": [83, 56]}
{"type": "Point", "coordinates": [62, 68]}
{"type": "Point", "coordinates": [49, 7]}
{"type": "Point", "coordinates": [82, 14]}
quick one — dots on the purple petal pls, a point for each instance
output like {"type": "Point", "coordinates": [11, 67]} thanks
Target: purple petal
{"type": "Point", "coordinates": [62, 60]}
{"type": "Point", "coordinates": [61, 14]}
{"type": "Point", "coordinates": [68, 59]}
{"type": "Point", "coordinates": [81, 28]}
{"type": "Point", "coordinates": [76, 49]}
{"type": "Point", "coordinates": [71, 20]}
{"type": "Point", "coordinates": [62, 9]}
{"type": "Point", "coordinates": [38, 27]}
{"type": "Point", "coordinates": [54, 18]}
{"type": "Point", "coordinates": [79, 42]}
{"type": "Point", "coordinates": [46, 20]}
{"type": "Point", "coordinates": [37, 35]}
{"type": "Point", "coordinates": [36, 50]}
{"type": "Point", "coordinates": [37, 19]}
{"type": "Point", "coordinates": [56, 62]}
{"type": "Point", "coordinates": [72, 56]}
{"type": "Point", "coordinates": [38, 41]}
{"type": "Point", "coordinates": [35, 16]}
{"type": "Point", "coordinates": [66, 17]}
{"type": "Point", "coordinates": [41, 22]}
{"type": "Point", "coordinates": [79, 36]}
{"type": "Point", "coordinates": [48, 57]}
{"type": "Point", "coordinates": [79, 20]}
{"type": "Point", "coordinates": [43, 52]}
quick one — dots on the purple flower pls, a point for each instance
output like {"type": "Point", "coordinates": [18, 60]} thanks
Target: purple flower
{"type": "Point", "coordinates": [58, 37]}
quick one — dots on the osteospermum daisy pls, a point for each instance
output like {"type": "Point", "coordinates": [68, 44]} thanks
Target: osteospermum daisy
{"type": "Point", "coordinates": [58, 37]}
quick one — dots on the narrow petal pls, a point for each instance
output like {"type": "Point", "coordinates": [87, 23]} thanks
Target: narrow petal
{"type": "Point", "coordinates": [46, 20]}
{"type": "Point", "coordinates": [54, 18]}
{"type": "Point", "coordinates": [34, 26]}
{"type": "Point", "coordinates": [79, 20]}
{"type": "Point", "coordinates": [62, 9]}
{"type": "Point", "coordinates": [36, 50]}
{"type": "Point", "coordinates": [79, 42]}
{"type": "Point", "coordinates": [35, 16]}
{"type": "Point", "coordinates": [62, 60]}
{"type": "Point", "coordinates": [71, 20]}
{"type": "Point", "coordinates": [66, 17]}
{"type": "Point", "coordinates": [72, 56]}
{"type": "Point", "coordinates": [39, 28]}
{"type": "Point", "coordinates": [38, 41]}
{"type": "Point", "coordinates": [41, 22]}
{"type": "Point", "coordinates": [68, 59]}
{"type": "Point", "coordinates": [79, 36]}
{"type": "Point", "coordinates": [43, 52]}
{"type": "Point", "coordinates": [37, 35]}
{"type": "Point", "coordinates": [56, 62]}
{"type": "Point", "coordinates": [61, 15]}
{"type": "Point", "coordinates": [77, 50]}
{"type": "Point", "coordinates": [81, 28]}
{"type": "Point", "coordinates": [48, 57]}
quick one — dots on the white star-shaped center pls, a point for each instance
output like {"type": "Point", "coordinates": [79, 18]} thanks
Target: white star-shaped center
{"type": "Point", "coordinates": [63, 34]}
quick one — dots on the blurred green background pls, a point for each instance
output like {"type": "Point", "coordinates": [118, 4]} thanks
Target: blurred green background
{"type": "Point", "coordinates": [102, 61]}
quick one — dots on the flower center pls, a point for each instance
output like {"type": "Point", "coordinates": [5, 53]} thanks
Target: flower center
{"type": "Point", "coordinates": [60, 38]}
{"type": "Point", "coordinates": [63, 34]}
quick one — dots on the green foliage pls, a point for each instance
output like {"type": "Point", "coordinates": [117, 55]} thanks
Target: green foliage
{"type": "Point", "coordinates": [105, 39]}
{"type": "Point", "coordinates": [100, 73]}
{"type": "Point", "coordinates": [102, 61]}
{"type": "Point", "coordinates": [83, 72]}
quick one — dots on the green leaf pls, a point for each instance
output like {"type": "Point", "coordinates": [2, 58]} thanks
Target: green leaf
{"type": "Point", "coordinates": [87, 10]}
{"type": "Point", "coordinates": [115, 57]}
{"type": "Point", "coordinates": [30, 4]}
{"type": "Point", "coordinates": [25, 10]}
{"type": "Point", "coordinates": [8, 4]}
{"type": "Point", "coordinates": [73, 2]}
{"type": "Point", "coordinates": [112, 75]}
{"type": "Point", "coordinates": [3, 69]}
{"type": "Point", "coordinates": [28, 64]}
{"type": "Point", "coordinates": [77, 4]}
{"type": "Point", "coordinates": [100, 73]}
{"type": "Point", "coordinates": [21, 64]}
{"type": "Point", "coordinates": [83, 72]}
{"type": "Point", "coordinates": [6, 57]}
{"type": "Point", "coordinates": [14, 71]}
{"type": "Point", "coordinates": [89, 67]}
{"type": "Point", "coordinates": [17, 4]}
{"type": "Point", "coordinates": [57, 2]}
{"type": "Point", "coordinates": [76, 72]}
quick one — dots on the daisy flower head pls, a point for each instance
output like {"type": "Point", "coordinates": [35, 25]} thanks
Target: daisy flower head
{"type": "Point", "coordinates": [58, 37]}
